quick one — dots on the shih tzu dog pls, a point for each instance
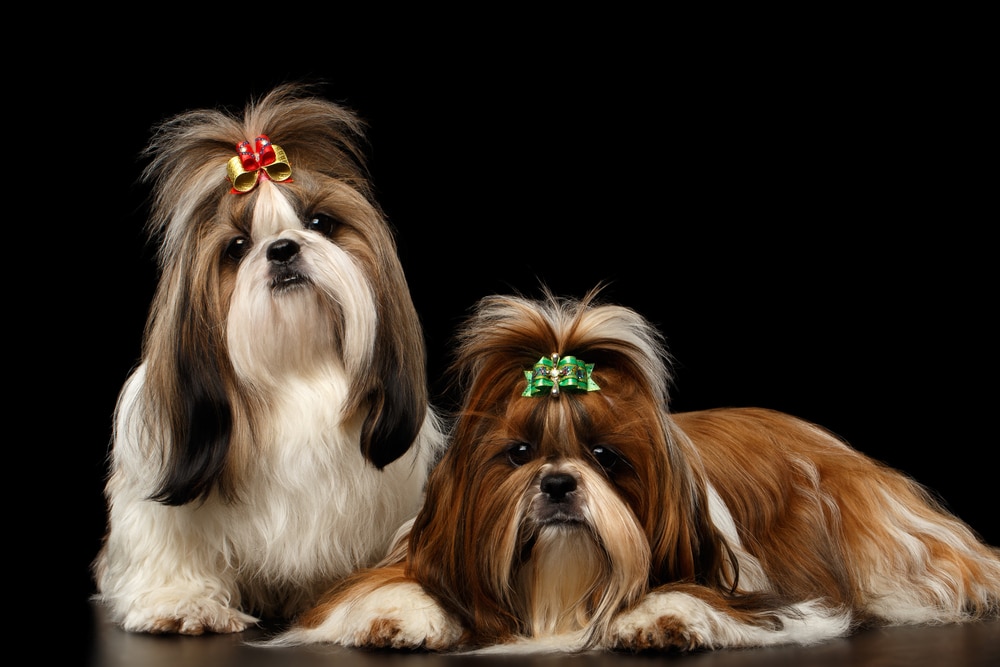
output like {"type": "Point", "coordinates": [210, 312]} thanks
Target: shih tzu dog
{"type": "Point", "coordinates": [572, 511]}
{"type": "Point", "coordinates": [277, 430]}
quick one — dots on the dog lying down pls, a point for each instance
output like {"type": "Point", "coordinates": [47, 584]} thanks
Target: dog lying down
{"type": "Point", "coordinates": [573, 511]}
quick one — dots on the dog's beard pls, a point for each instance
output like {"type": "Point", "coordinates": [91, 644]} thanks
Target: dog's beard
{"type": "Point", "coordinates": [583, 557]}
{"type": "Point", "coordinates": [560, 584]}
{"type": "Point", "coordinates": [288, 318]}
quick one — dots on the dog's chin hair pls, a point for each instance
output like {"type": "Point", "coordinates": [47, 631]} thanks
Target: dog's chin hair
{"type": "Point", "coordinates": [273, 338]}
{"type": "Point", "coordinates": [557, 591]}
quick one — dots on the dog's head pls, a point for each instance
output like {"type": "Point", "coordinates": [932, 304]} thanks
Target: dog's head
{"type": "Point", "coordinates": [275, 263]}
{"type": "Point", "coordinates": [566, 491]}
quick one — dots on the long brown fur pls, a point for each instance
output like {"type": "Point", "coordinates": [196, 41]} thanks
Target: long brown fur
{"type": "Point", "coordinates": [277, 428]}
{"type": "Point", "coordinates": [710, 529]}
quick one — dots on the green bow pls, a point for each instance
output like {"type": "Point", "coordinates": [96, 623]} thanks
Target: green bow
{"type": "Point", "coordinates": [557, 373]}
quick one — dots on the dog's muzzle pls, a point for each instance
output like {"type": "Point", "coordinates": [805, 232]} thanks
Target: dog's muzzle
{"type": "Point", "coordinates": [559, 500]}
{"type": "Point", "coordinates": [283, 257]}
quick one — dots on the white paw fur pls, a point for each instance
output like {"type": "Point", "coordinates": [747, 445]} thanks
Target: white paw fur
{"type": "Point", "coordinates": [681, 621]}
{"type": "Point", "coordinates": [400, 616]}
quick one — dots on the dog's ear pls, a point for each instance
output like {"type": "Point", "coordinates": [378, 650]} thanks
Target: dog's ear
{"type": "Point", "coordinates": [685, 544]}
{"type": "Point", "coordinates": [188, 386]}
{"type": "Point", "coordinates": [395, 384]}
{"type": "Point", "coordinates": [397, 409]}
{"type": "Point", "coordinates": [449, 550]}
{"type": "Point", "coordinates": [200, 419]}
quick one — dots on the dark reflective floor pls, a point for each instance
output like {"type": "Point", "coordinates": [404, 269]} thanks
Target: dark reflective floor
{"type": "Point", "coordinates": [975, 645]}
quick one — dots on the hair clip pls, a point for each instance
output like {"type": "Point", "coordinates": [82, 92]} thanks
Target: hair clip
{"type": "Point", "coordinates": [559, 373]}
{"type": "Point", "coordinates": [246, 169]}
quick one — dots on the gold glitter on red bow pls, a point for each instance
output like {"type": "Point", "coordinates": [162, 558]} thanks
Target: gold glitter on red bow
{"type": "Point", "coordinates": [246, 169]}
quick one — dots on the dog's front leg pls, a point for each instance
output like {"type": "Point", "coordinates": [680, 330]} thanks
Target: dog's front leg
{"type": "Point", "coordinates": [688, 617]}
{"type": "Point", "coordinates": [378, 609]}
{"type": "Point", "coordinates": [161, 571]}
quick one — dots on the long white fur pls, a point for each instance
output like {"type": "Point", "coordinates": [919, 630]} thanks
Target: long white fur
{"type": "Point", "coordinates": [804, 623]}
{"type": "Point", "coordinates": [168, 562]}
{"type": "Point", "coordinates": [310, 507]}
{"type": "Point", "coordinates": [415, 618]}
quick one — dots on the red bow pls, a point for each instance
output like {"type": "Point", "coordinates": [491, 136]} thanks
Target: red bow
{"type": "Point", "coordinates": [253, 160]}
{"type": "Point", "coordinates": [268, 160]}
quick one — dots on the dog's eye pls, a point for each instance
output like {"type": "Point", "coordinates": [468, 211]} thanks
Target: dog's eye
{"type": "Point", "coordinates": [238, 248]}
{"type": "Point", "coordinates": [606, 458]}
{"type": "Point", "coordinates": [322, 223]}
{"type": "Point", "coordinates": [519, 453]}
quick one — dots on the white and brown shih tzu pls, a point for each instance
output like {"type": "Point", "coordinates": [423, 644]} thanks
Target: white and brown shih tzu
{"type": "Point", "coordinates": [277, 430]}
{"type": "Point", "coordinates": [573, 511]}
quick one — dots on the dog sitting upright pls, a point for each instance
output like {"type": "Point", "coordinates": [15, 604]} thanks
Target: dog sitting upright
{"type": "Point", "coordinates": [277, 430]}
{"type": "Point", "coordinates": [573, 511]}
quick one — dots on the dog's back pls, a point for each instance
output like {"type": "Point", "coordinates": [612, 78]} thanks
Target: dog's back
{"type": "Point", "coordinates": [824, 520]}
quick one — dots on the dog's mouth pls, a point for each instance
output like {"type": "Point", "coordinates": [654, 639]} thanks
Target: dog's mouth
{"type": "Point", "coordinates": [559, 516]}
{"type": "Point", "coordinates": [565, 511]}
{"type": "Point", "coordinates": [286, 279]}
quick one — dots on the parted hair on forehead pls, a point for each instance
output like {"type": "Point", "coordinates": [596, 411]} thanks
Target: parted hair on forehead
{"type": "Point", "coordinates": [505, 335]}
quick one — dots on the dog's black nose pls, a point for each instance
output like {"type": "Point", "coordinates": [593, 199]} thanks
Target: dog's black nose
{"type": "Point", "coordinates": [282, 250]}
{"type": "Point", "coordinates": [557, 485]}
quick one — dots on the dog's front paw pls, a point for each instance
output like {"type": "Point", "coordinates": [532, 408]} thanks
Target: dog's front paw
{"type": "Point", "coordinates": [194, 616]}
{"type": "Point", "coordinates": [683, 621]}
{"type": "Point", "coordinates": [660, 622]}
{"type": "Point", "coordinates": [397, 616]}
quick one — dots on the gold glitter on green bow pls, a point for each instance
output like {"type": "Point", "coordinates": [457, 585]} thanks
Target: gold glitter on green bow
{"type": "Point", "coordinates": [557, 374]}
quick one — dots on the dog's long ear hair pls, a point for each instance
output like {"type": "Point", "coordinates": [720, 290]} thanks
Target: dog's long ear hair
{"type": "Point", "coordinates": [504, 336]}
{"type": "Point", "coordinates": [198, 416]}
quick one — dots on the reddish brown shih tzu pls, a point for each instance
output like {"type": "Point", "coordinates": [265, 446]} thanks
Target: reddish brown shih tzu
{"type": "Point", "coordinates": [573, 511]}
{"type": "Point", "coordinates": [277, 430]}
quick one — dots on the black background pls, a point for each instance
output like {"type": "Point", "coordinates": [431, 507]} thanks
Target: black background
{"type": "Point", "coordinates": [803, 221]}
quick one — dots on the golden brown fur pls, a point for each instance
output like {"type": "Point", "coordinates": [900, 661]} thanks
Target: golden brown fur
{"type": "Point", "coordinates": [601, 520]}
